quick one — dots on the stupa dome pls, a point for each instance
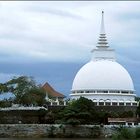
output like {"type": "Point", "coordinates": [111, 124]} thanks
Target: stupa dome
{"type": "Point", "coordinates": [102, 79]}
{"type": "Point", "coordinates": [102, 75]}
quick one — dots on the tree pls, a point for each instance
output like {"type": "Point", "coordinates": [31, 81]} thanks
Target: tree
{"type": "Point", "coordinates": [3, 88]}
{"type": "Point", "coordinates": [5, 103]}
{"type": "Point", "coordinates": [25, 90]}
{"type": "Point", "coordinates": [35, 96]}
{"type": "Point", "coordinates": [80, 111]}
{"type": "Point", "coordinates": [20, 86]}
{"type": "Point", "coordinates": [137, 98]}
{"type": "Point", "coordinates": [126, 114]}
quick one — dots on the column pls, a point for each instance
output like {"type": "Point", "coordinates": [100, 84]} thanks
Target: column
{"type": "Point", "coordinates": [57, 102]}
{"type": "Point", "coordinates": [51, 103]}
{"type": "Point", "coordinates": [64, 103]}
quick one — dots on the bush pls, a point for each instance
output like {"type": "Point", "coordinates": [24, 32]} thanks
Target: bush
{"type": "Point", "coordinates": [116, 137]}
{"type": "Point", "coordinates": [73, 122]}
{"type": "Point", "coordinates": [51, 132]}
{"type": "Point", "coordinates": [138, 132]}
{"type": "Point", "coordinates": [5, 103]}
{"type": "Point", "coordinates": [125, 133]}
{"type": "Point", "coordinates": [95, 132]}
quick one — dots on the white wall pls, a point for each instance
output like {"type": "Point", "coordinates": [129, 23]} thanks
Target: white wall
{"type": "Point", "coordinates": [105, 97]}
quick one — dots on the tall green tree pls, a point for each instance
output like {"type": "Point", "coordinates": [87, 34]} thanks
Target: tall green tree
{"type": "Point", "coordinates": [20, 86]}
{"type": "Point", "coordinates": [35, 96]}
{"type": "Point", "coordinates": [25, 90]}
{"type": "Point", "coordinates": [3, 88]}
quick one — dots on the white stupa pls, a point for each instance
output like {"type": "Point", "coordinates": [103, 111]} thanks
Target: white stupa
{"type": "Point", "coordinates": [103, 80]}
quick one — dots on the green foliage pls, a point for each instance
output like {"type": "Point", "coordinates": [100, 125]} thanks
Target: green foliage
{"type": "Point", "coordinates": [137, 132]}
{"type": "Point", "coordinates": [3, 88]}
{"type": "Point", "coordinates": [73, 121]}
{"type": "Point", "coordinates": [125, 133]}
{"type": "Point", "coordinates": [54, 116]}
{"type": "Point", "coordinates": [50, 118]}
{"type": "Point", "coordinates": [25, 90]}
{"type": "Point", "coordinates": [126, 114]}
{"type": "Point", "coordinates": [5, 103]}
{"type": "Point", "coordinates": [51, 131]}
{"type": "Point", "coordinates": [95, 132]}
{"type": "Point", "coordinates": [102, 117]}
{"type": "Point", "coordinates": [20, 86]}
{"type": "Point", "coordinates": [79, 111]}
{"type": "Point", "coordinates": [137, 98]}
{"type": "Point", "coordinates": [35, 96]}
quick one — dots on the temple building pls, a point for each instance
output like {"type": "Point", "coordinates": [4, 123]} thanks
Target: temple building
{"type": "Point", "coordinates": [52, 95]}
{"type": "Point", "coordinates": [104, 80]}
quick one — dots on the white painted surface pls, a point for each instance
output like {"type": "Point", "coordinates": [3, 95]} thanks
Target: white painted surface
{"type": "Point", "coordinates": [103, 74]}
{"type": "Point", "coordinates": [105, 97]}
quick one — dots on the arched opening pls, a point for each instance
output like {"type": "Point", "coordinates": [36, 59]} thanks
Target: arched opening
{"type": "Point", "coordinates": [107, 102]}
{"type": "Point", "coordinates": [128, 103]}
{"type": "Point", "coordinates": [121, 102]}
{"type": "Point", "coordinates": [114, 102]}
{"type": "Point", "coordinates": [95, 101]}
{"type": "Point", "coordinates": [101, 102]}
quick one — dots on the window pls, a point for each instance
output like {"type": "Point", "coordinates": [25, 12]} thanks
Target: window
{"type": "Point", "coordinates": [105, 91]}
{"type": "Point", "coordinates": [114, 103]}
{"type": "Point", "coordinates": [135, 123]}
{"type": "Point", "coordinates": [95, 103]}
{"type": "Point", "coordinates": [102, 91]}
{"type": "Point", "coordinates": [128, 104]}
{"type": "Point", "coordinates": [90, 91]}
{"type": "Point", "coordinates": [101, 103]}
{"type": "Point", "coordinates": [79, 91]}
{"type": "Point", "coordinates": [124, 92]}
{"type": "Point", "coordinates": [121, 104]}
{"type": "Point", "coordinates": [129, 123]}
{"type": "Point", "coordinates": [114, 91]}
{"type": "Point", "coordinates": [108, 103]}
{"type": "Point", "coordinates": [134, 104]}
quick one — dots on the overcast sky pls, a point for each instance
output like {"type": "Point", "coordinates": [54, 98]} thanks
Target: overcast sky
{"type": "Point", "coordinates": [52, 40]}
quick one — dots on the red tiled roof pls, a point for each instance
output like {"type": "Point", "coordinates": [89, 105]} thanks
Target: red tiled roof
{"type": "Point", "coordinates": [49, 89]}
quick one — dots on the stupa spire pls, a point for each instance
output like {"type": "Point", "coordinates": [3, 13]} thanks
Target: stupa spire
{"type": "Point", "coordinates": [102, 24]}
{"type": "Point", "coordinates": [102, 41]}
{"type": "Point", "coordinates": [102, 52]}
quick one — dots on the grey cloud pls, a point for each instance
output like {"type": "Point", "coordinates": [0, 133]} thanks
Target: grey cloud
{"type": "Point", "coordinates": [58, 12]}
{"type": "Point", "coordinates": [61, 79]}
{"type": "Point", "coordinates": [19, 38]}
{"type": "Point", "coordinates": [128, 16]}
{"type": "Point", "coordinates": [59, 75]}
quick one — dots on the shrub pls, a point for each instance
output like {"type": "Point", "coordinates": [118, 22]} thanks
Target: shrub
{"type": "Point", "coordinates": [5, 103]}
{"type": "Point", "coordinates": [127, 133]}
{"type": "Point", "coordinates": [138, 132]}
{"type": "Point", "coordinates": [73, 122]}
{"type": "Point", "coordinates": [124, 133]}
{"type": "Point", "coordinates": [95, 132]}
{"type": "Point", "coordinates": [51, 132]}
